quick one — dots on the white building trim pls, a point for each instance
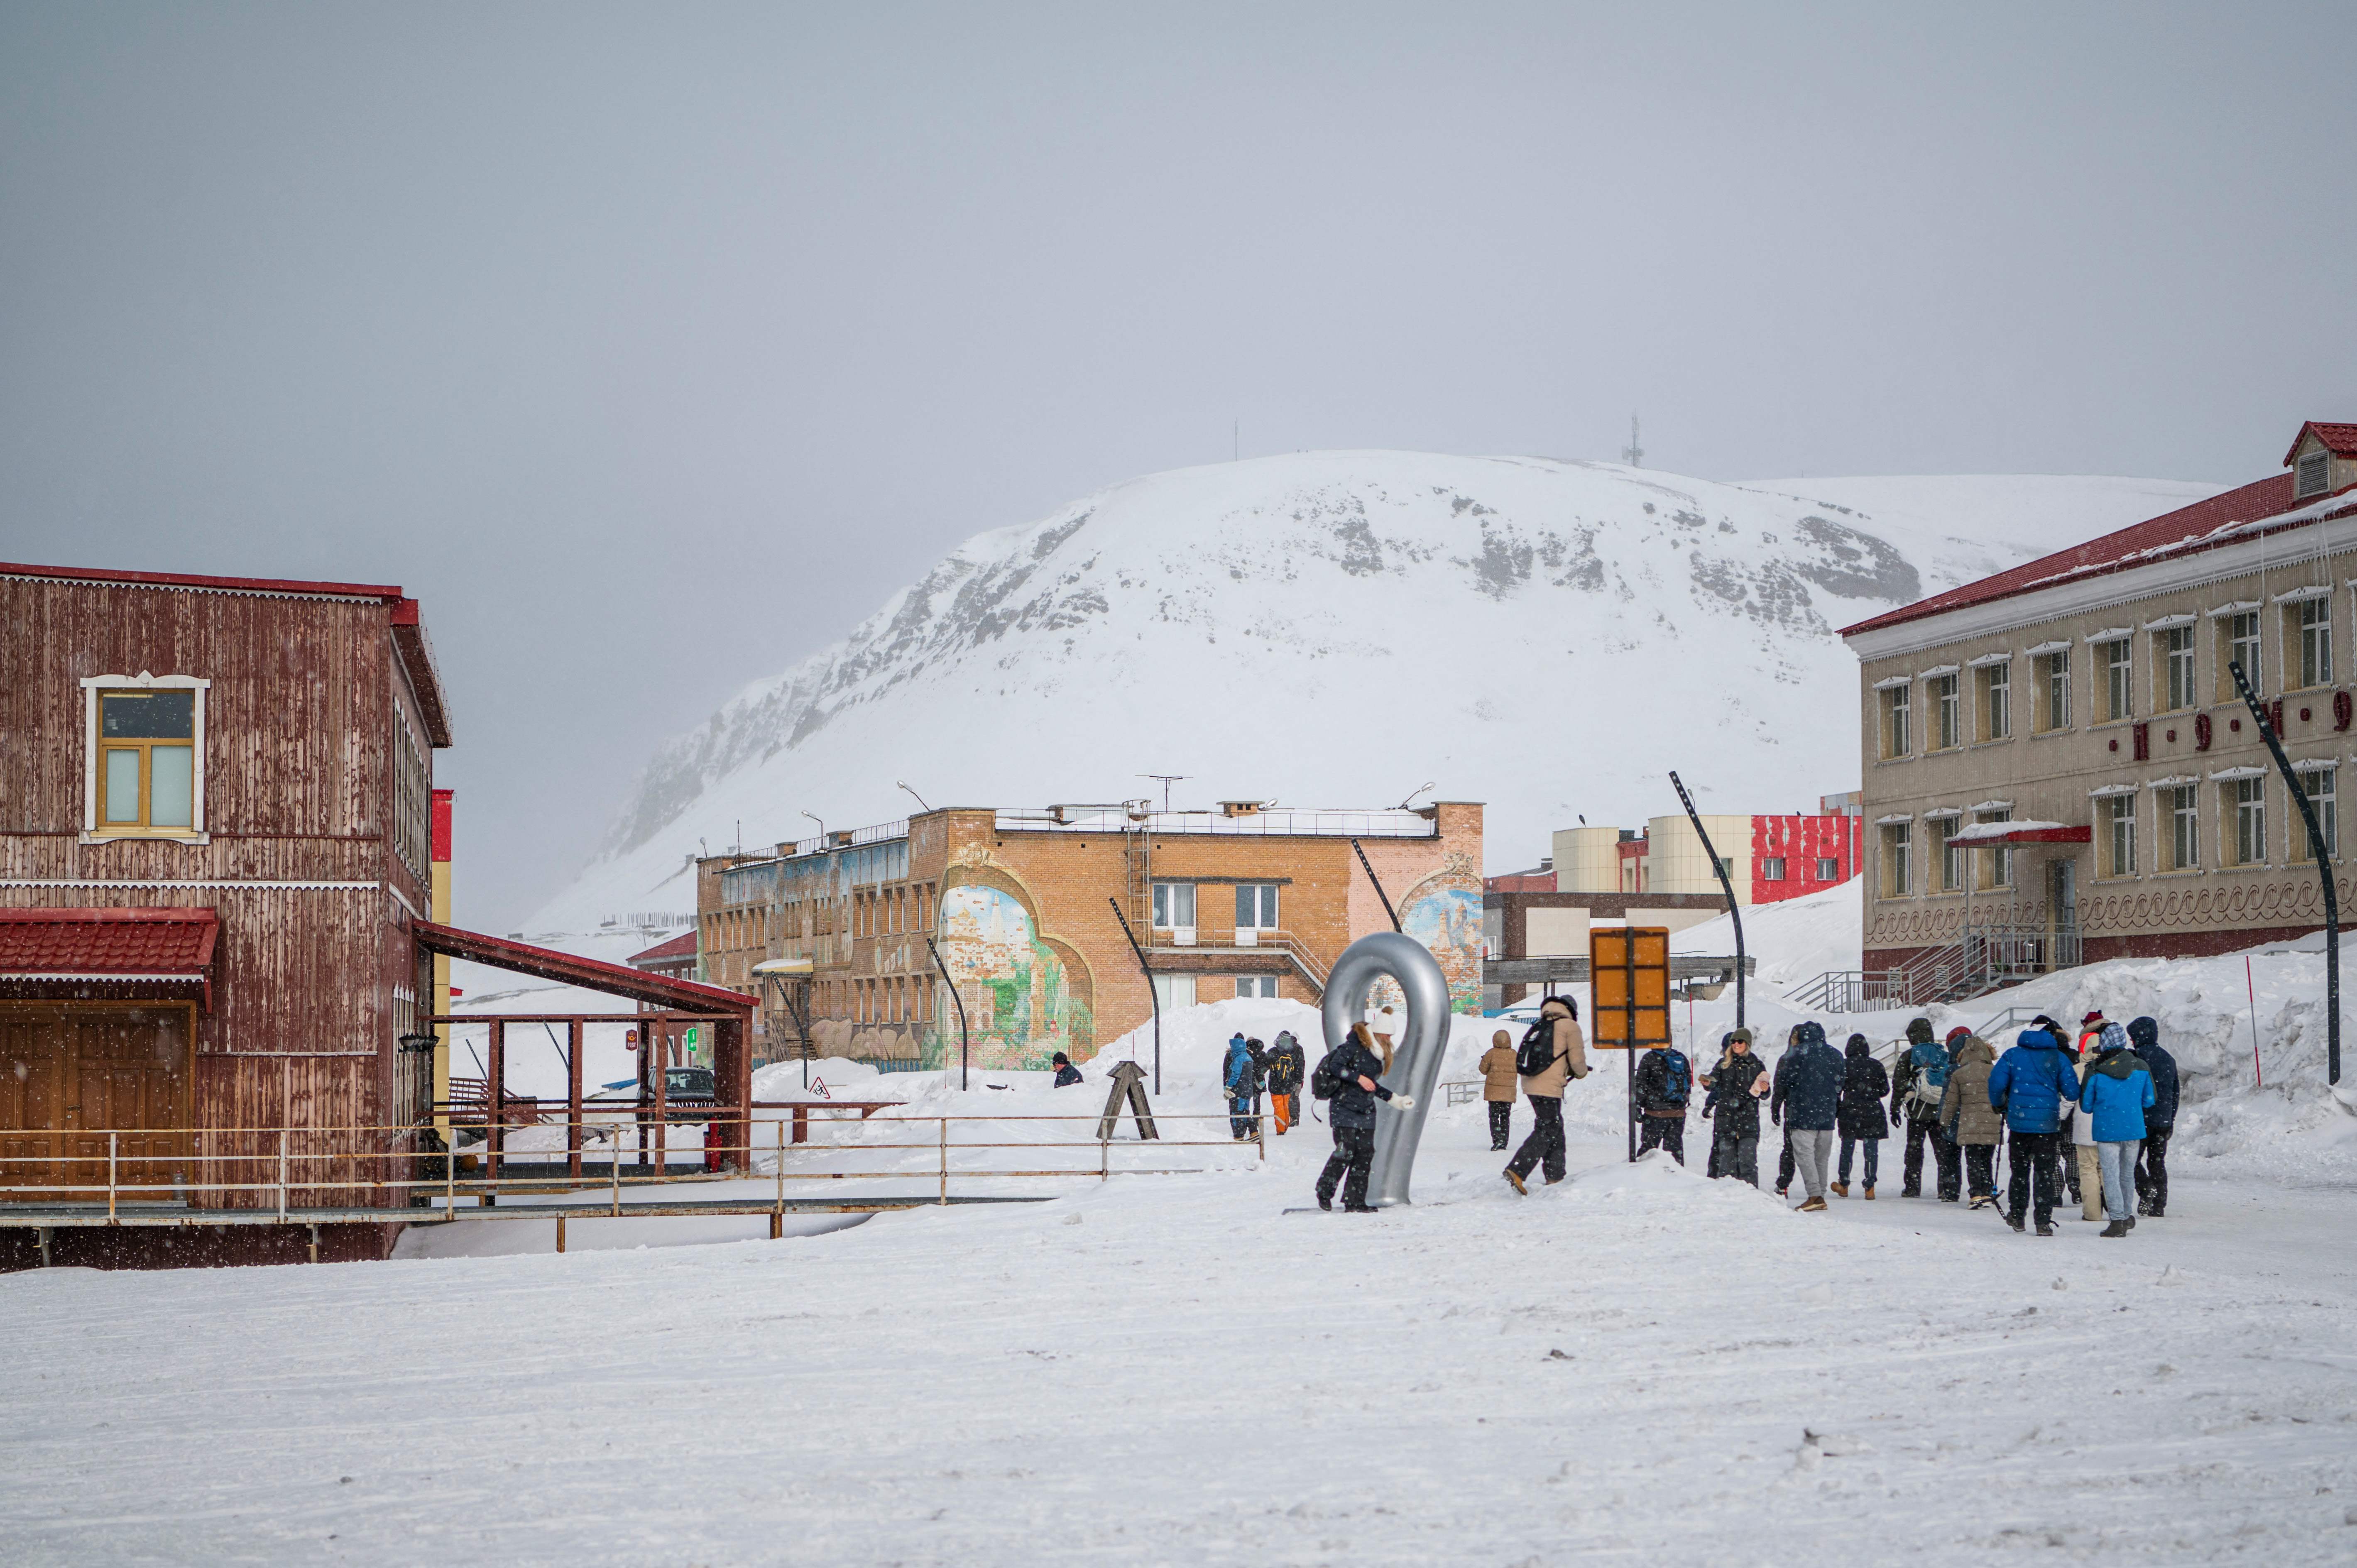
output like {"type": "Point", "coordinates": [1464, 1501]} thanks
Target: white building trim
{"type": "Point", "coordinates": [2110, 634]}
{"type": "Point", "coordinates": [1893, 820]}
{"type": "Point", "coordinates": [2239, 608]}
{"type": "Point", "coordinates": [1986, 659]}
{"type": "Point", "coordinates": [1937, 670]}
{"type": "Point", "coordinates": [1893, 682]}
{"type": "Point", "coordinates": [2228, 774]}
{"type": "Point", "coordinates": [2061, 645]}
{"type": "Point", "coordinates": [2174, 781]}
{"type": "Point", "coordinates": [2102, 789]}
{"type": "Point", "coordinates": [2313, 591]}
{"type": "Point", "coordinates": [1993, 806]}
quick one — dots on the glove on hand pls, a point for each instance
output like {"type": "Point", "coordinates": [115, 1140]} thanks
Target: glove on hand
{"type": "Point", "coordinates": [1404, 1102]}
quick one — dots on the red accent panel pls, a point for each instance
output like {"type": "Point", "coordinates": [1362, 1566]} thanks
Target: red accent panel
{"type": "Point", "coordinates": [442, 825]}
{"type": "Point", "coordinates": [108, 941]}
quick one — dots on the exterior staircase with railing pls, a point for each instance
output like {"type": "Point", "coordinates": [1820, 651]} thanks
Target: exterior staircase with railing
{"type": "Point", "coordinates": [1985, 958]}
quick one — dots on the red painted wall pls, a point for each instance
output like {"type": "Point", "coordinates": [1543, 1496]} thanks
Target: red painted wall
{"type": "Point", "coordinates": [1801, 841]}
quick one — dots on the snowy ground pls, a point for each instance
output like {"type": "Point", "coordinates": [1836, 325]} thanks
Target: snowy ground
{"type": "Point", "coordinates": [1173, 1368]}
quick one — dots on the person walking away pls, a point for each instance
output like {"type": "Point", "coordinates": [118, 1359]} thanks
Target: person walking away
{"type": "Point", "coordinates": [1859, 1115]}
{"type": "Point", "coordinates": [1346, 1077]}
{"type": "Point", "coordinates": [2083, 1175]}
{"type": "Point", "coordinates": [1784, 1155]}
{"type": "Point", "coordinates": [1288, 1066]}
{"type": "Point", "coordinates": [1664, 1085]}
{"type": "Point", "coordinates": [1918, 1086]}
{"type": "Point", "coordinates": [1737, 1085]}
{"type": "Point", "coordinates": [1236, 1079]}
{"type": "Point", "coordinates": [1806, 1095]}
{"type": "Point", "coordinates": [2113, 1100]}
{"type": "Point", "coordinates": [1498, 1088]}
{"type": "Point", "coordinates": [1560, 1051]}
{"type": "Point", "coordinates": [1972, 1125]}
{"type": "Point", "coordinates": [1066, 1073]}
{"type": "Point", "coordinates": [2152, 1167]}
{"type": "Point", "coordinates": [2031, 1084]}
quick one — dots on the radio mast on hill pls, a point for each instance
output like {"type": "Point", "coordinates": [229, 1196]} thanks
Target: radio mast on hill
{"type": "Point", "coordinates": [1633, 453]}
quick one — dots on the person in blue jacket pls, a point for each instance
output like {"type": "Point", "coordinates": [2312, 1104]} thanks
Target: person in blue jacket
{"type": "Point", "coordinates": [2115, 1097]}
{"type": "Point", "coordinates": [1806, 1097]}
{"type": "Point", "coordinates": [2032, 1083]}
{"type": "Point", "coordinates": [1237, 1076]}
{"type": "Point", "coordinates": [2160, 1122]}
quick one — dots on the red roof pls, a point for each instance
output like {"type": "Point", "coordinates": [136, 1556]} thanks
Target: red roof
{"type": "Point", "coordinates": [108, 945]}
{"type": "Point", "coordinates": [678, 949]}
{"type": "Point", "coordinates": [595, 974]}
{"type": "Point", "coordinates": [2179, 532]}
{"type": "Point", "coordinates": [2341, 440]}
{"type": "Point", "coordinates": [220, 584]}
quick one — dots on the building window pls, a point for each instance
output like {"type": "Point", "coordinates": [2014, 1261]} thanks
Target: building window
{"type": "Point", "coordinates": [2177, 658]}
{"type": "Point", "coordinates": [2313, 624]}
{"type": "Point", "coordinates": [1898, 876]}
{"type": "Point", "coordinates": [1996, 701]}
{"type": "Point", "coordinates": [1773, 868]}
{"type": "Point", "coordinates": [146, 776]}
{"type": "Point", "coordinates": [2055, 691]}
{"type": "Point", "coordinates": [1948, 712]}
{"type": "Point", "coordinates": [2313, 474]}
{"type": "Point", "coordinates": [2248, 799]}
{"type": "Point", "coordinates": [1174, 905]}
{"type": "Point", "coordinates": [2317, 784]}
{"type": "Point", "coordinates": [2118, 813]}
{"type": "Point", "coordinates": [2119, 686]}
{"type": "Point", "coordinates": [1256, 905]}
{"type": "Point", "coordinates": [1828, 869]}
{"type": "Point", "coordinates": [1996, 863]}
{"type": "Point", "coordinates": [2239, 645]}
{"type": "Point", "coordinates": [1947, 860]}
{"type": "Point", "coordinates": [1255, 985]}
{"type": "Point", "coordinates": [2184, 808]}
{"type": "Point", "coordinates": [1896, 741]}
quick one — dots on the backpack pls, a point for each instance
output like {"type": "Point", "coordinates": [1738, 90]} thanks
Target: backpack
{"type": "Point", "coordinates": [1677, 1078]}
{"type": "Point", "coordinates": [1326, 1081]}
{"type": "Point", "coordinates": [1537, 1052]}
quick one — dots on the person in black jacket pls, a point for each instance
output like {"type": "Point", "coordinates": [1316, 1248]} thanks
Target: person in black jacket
{"type": "Point", "coordinates": [1665, 1084]}
{"type": "Point", "coordinates": [1736, 1086]}
{"type": "Point", "coordinates": [2152, 1164]}
{"type": "Point", "coordinates": [1355, 1065]}
{"type": "Point", "coordinates": [1288, 1066]}
{"type": "Point", "coordinates": [1066, 1073]}
{"type": "Point", "coordinates": [1859, 1116]}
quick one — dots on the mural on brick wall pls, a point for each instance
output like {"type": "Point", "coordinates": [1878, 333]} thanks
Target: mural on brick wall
{"type": "Point", "coordinates": [1443, 911]}
{"type": "Point", "coordinates": [1023, 1001]}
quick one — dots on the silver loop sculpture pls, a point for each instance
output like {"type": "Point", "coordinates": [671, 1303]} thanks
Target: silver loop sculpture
{"type": "Point", "coordinates": [1415, 1061]}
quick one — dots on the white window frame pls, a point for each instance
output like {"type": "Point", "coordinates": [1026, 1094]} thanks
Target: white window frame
{"type": "Point", "coordinates": [2314, 672]}
{"type": "Point", "coordinates": [92, 748]}
{"type": "Point", "coordinates": [2328, 811]}
{"type": "Point", "coordinates": [1828, 868]}
{"type": "Point", "coordinates": [2119, 677]}
{"type": "Point", "coordinates": [1165, 911]}
{"type": "Point", "coordinates": [1268, 900]}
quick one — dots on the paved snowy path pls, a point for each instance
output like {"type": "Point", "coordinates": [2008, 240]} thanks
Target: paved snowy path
{"type": "Point", "coordinates": [1170, 1371]}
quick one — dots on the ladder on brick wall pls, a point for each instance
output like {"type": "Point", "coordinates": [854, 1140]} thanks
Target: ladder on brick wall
{"type": "Point", "coordinates": [1137, 862]}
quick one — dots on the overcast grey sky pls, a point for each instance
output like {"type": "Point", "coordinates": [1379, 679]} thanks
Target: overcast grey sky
{"type": "Point", "coordinates": [652, 347]}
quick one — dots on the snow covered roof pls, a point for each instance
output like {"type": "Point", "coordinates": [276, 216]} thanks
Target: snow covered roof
{"type": "Point", "coordinates": [1337, 823]}
{"type": "Point", "coordinates": [2234, 515]}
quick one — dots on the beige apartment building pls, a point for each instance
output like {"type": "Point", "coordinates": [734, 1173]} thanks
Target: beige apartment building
{"type": "Point", "coordinates": [2057, 767]}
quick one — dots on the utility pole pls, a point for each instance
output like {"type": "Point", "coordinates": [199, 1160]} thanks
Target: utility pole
{"type": "Point", "coordinates": [1633, 453]}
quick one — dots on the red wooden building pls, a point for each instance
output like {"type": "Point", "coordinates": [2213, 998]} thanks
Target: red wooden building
{"type": "Point", "coordinates": [215, 863]}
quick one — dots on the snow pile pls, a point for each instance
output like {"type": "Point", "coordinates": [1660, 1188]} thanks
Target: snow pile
{"type": "Point", "coordinates": [1329, 595]}
{"type": "Point", "coordinates": [1794, 939]}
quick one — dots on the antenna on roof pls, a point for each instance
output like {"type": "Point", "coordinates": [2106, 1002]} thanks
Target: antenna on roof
{"type": "Point", "coordinates": [1168, 780]}
{"type": "Point", "coordinates": [1633, 453]}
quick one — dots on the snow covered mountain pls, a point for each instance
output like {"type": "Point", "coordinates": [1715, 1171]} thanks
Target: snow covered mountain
{"type": "Point", "coordinates": [1339, 629]}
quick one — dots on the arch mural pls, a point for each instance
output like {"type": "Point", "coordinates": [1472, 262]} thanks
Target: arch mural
{"type": "Point", "coordinates": [1026, 997]}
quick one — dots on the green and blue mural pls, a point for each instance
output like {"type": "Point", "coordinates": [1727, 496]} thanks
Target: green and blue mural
{"type": "Point", "coordinates": [1024, 1000]}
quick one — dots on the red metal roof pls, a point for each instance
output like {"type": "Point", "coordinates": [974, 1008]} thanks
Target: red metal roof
{"type": "Point", "coordinates": [218, 585]}
{"type": "Point", "coordinates": [682, 946]}
{"type": "Point", "coordinates": [2179, 532]}
{"type": "Point", "coordinates": [2341, 440]}
{"type": "Point", "coordinates": [595, 974]}
{"type": "Point", "coordinates": [119, 946]}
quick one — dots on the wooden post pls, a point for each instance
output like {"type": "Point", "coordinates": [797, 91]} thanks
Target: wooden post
{"type": "Point", "coordinates": [572, 1115]}
{"type": "Point", "coordinates": [560, 1232]}
{"type": "Point", "coordinates": [801, 1123]}
{"type": "Point", "coordinates": [662, 1103]}
{"type": "Point", "coordinates": [43, 1232]}
{"type": "Point", "coordinates": [314, 1243]}
{"type": "Point", "coordinates": [777, 1224]}
{"type": "Point", "coordinates": [945, 1160]}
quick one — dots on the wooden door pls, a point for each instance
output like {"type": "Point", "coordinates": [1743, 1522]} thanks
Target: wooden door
{"type": "Point", "coordinates": [71, 1075]}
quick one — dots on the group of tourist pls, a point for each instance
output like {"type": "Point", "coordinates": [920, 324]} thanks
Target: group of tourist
{"type": "Point", "coordinates": [2107, 1093]}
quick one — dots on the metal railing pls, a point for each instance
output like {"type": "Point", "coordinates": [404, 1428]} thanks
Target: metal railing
{"type": "Point", "coordinates": [326, 1175]}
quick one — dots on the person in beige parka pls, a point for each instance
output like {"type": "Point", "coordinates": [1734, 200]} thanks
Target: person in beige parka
{"type": "Point", "coordinates": [1971, 1121]}
{"type": "Point", "coordinates": [1568, 1061]}
{"type": "Point", "coordinates": [1499, 1086]}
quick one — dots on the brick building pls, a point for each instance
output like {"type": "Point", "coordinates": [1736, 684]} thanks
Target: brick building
{"type": "Point", "coordinates": [2057, 766]}
{"type": "Point", "coordinates": [1022, 907]}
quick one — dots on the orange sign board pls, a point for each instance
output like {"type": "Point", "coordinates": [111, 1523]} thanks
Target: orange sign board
{"type": "Point", "coordinates": [1628, 987]}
